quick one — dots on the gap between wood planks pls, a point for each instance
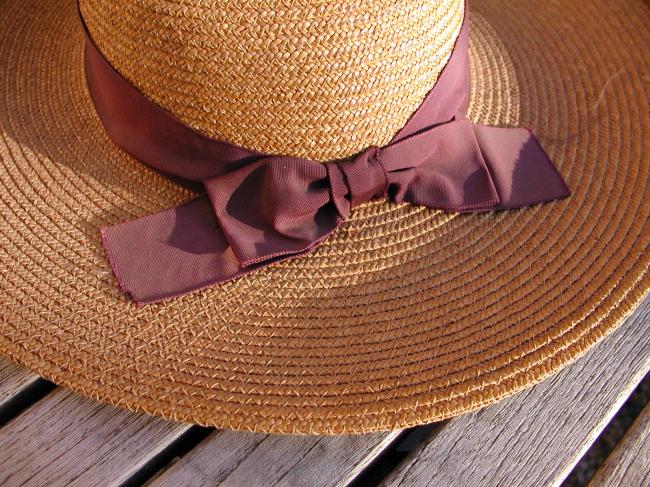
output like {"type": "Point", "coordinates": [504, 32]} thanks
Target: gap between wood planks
{"type": "Point", "coordinates": [167, 457]}
{"type": "Point", "coordinates": [25, 398]}
{"type": "Point", "coordinates": [600, 452]}
{"type": "Point", "coordinates": [20, 389]}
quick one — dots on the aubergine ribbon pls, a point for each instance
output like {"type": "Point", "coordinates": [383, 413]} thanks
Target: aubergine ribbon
{"type": "Point", "coordinates": [255, 209]}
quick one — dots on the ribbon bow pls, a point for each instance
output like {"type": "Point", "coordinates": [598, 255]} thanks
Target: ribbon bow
{"type": "Point", "coordinates": [257, 209]}
{"type": "Point", "coordinates": [281, 206]}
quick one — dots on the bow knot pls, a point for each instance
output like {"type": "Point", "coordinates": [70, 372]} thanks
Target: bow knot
{"type": "Point", "coordinates": [357, 180]}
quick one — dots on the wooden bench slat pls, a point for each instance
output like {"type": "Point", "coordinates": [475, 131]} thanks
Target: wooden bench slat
{"type": "Point", "coordinates": [246, 459]}
{"type": "Point", "coordinates": [629, 463]}
{"type": "Point", "coordinates": [14, 379]}
{"type": "Point", "coordinates": [537, 436]}
{"type": "Point", "coordinates": [67, 440]}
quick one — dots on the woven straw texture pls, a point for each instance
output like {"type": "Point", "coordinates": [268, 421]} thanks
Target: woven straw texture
{"type": "Point", "coordinates": [405, 315]}
{"type": "Point", "coordinates": [321, 79]}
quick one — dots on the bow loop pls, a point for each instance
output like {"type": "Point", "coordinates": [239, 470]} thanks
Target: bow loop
{"type": "Point", "coordinates": [276, 206]}
{"type": "Point", "coordinates": [447, 169]}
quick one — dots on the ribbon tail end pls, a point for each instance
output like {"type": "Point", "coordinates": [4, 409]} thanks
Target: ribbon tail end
{"type": "Point", "coordinates": [169, 254]}
{"type": "Point", "coordinates": [112, 263]}
{"type": "Point", "coordinates": [522, 171]}
{"type": "Point", "coordinates": [536, 178]}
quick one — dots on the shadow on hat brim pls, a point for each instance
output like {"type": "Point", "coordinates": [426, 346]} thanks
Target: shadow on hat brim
{"type": "Point", "coordinates": [405, 316]}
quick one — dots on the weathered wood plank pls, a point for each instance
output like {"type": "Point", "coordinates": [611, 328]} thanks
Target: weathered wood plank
{"type": "Point", "coordinates": [14, 379]}
{"type": "Point", "coordinates": [246, 459]}
{"type": "Point", "coordinates": [629, 462]}
{"type": "Point", "coordinates": [537, 436]}
{"type": "Point", "coordinates": [67, 440]}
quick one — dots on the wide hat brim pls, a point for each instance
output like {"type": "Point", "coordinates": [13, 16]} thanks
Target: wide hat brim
{"type": "Point", "coordinates": [405, 316]}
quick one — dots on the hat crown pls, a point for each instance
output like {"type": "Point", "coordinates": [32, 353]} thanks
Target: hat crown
{"type": "Point", "coordinates": [316, 79]}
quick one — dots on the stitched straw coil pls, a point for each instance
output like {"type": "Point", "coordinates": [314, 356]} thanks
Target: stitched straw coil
{"type": "Point", "coordinates": [404, 316]}
{"type": "Point", "coordinates": [317, 79]}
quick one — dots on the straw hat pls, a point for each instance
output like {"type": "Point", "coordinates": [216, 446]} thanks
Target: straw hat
{"type": "Point", "coordinates": [404, 315]}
